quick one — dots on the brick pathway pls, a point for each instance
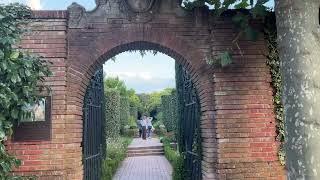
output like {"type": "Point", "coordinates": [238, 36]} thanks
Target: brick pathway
{"type": "Point", "coordinates": [138, 142]}
{"type": "Point", "coordinates": [144, 167]}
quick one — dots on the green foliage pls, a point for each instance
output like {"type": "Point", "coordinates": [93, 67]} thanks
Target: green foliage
{"type": "Point", "coordinates": [21, 77]}
{"type": "Point", "coordinates": [112, 97]}
{"type": "Point", "coordinates": [160, 128]}
{"type": "Point", "coordinates": [116, 83]}
{"type": "Point", "coordinates": [175, 158]}
{"type": "Point", "coordinates": [124, 113]}
{"type": "Point", "coordinates": [247, 12]}
{"type": "Point", "coordinates": [152, 102]}
{"type": "Point", "coordinates": [116, 152]}
{"type": "Point", "coordinates": [133, 122]}
{"type": "Point", "coordinates": [274, 64]}
{"type": "Point", "coordinates": [130, 132]}
{"type": "Point", "coordinates": [169, 111]}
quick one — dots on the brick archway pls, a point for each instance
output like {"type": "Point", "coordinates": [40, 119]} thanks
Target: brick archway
{"type": "Point", "coordinates": [79, 74]}
{"type": "Point", "coordinates": [238, 124]}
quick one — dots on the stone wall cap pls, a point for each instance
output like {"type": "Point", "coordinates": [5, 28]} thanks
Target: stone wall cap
{"type": "Point", "coordinates": [48, 14]}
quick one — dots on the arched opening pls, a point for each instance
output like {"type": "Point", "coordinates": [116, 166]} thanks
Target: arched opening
{"type": "Point", "coordinates": [189, 112]}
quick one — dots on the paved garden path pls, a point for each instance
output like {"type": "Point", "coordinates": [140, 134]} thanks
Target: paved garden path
{"type": "Point", "coordinates": [144, 167]}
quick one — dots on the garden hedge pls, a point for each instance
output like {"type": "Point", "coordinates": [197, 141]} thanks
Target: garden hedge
{"type": "Point", "coordinates": [169, 111]}
{"type": "Point", "coordinates": [124, 113]}
{"type": "Point", "coordinates": [112, 113]}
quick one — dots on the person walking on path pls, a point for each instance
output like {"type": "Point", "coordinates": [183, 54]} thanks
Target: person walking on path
{"type": "Point", "coordinates": [149, 125]}
{"type": "Point", "coordinates": [140, 127]}
{"type": "Point", "coordinates": [144, 127]}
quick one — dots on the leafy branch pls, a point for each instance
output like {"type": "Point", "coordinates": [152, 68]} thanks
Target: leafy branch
{"type": "Point", "coordinates": [22, 76]}
{"type": "Point", "coordinates": [246, 12]}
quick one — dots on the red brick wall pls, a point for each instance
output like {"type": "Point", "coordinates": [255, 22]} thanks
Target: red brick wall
{"type": "Point", "coordinates": [238, 128]}
{"type": "Point", "coordinates": [49, 40]}
{"type": "Point", "coordinates": [244, 114]}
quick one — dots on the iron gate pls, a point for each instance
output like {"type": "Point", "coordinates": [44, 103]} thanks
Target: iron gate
{"type": "Point", "coordinates": [189, 124]}
{"type": "Point", "coordinates": [93, 128]}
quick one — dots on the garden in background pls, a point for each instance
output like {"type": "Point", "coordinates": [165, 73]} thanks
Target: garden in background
{"type": "Point", "coordinates": [123, 107]}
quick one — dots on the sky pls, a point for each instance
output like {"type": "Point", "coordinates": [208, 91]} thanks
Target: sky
{"type": "Point", "coordinates": [144, 74]}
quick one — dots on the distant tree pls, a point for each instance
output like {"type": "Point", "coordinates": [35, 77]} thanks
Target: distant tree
{"type": "Point", "coordinates": [116, 83]}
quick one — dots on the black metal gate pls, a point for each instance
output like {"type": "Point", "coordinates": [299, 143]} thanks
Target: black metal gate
{"type": "Point", "coordinates": [93, 128]}
{"type": "Point", "coordinates": [189, 124]}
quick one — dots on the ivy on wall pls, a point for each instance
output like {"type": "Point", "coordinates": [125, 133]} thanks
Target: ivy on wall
{"type": "Point", "coordinates": [112, 115]}
{"type": "Point", "coordinates": [22, 77]}
{"type": "Point", "coordinates": [274, 64]}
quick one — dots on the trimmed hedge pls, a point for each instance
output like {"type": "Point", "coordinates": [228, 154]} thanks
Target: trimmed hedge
{"type": "Point", "coordinates": [169, 111]}
{"type": "Point", "coordinates": [112, 113]}
{"type": "Point", "coordinates": [124, 113]}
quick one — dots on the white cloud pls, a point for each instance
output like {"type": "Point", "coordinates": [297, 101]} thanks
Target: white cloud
{"type": "Point", "coordinates": [143, 82]}
{"type": "Point", "coordinates": [34, 4]}
{"type": "Point", "coordinates": [133, 75]}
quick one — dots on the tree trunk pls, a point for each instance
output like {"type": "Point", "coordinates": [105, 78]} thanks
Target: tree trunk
{"type": "Point", "coordinates": [298, 38]}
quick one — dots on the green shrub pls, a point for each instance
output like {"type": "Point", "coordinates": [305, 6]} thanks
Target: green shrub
{"type": "Point", "coordinates": [159, 127]}
{"type": "Point", "coordinates": [124, 113]}
{"type": "Point", "coordinates": [175, 158]}
{"type": "Point", "coordinates": [130, 132]}
{"type": "Point", "coordinates": [133, 111]}
{"type": "Point", "coordinates": [133, 122]}
{"type": "Point", "coordinates": [169, 111]}
{"type": "Point", "coordinates": [112, 113]}
{"type": "Point", "coordinates": [116, 153]}
{"type": "Point", "coordinates": [21, 77]}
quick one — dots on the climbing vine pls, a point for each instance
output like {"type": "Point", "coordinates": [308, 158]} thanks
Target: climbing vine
{"type": "Point", "coordinates": [243, 17]}
{"type": "Point", "coordinates": [22, 77]}
{"type": "Point", "coordinates": [246, 12]}
{"type": "Point", "coordinates": [274, 64]}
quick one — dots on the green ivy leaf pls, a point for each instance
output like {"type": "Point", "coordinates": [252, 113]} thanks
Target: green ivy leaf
{"type": "Point", "coordinates": [2, 135]}
{"type": "Point", "coordinates": [13, 79]}
{"type": "Point", "coordinates": [4, 65]}
{"type": "Point", "coordinates": [5, 166]}
{"type": "Point", "coordinates": [14, 55]}
{"type": "Point", "coordinates": [225, 59]}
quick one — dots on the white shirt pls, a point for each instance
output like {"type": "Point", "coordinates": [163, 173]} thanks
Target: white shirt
{"type": "Point", "coordinates": [149, 121]}
{"type": "Point", "coordinates": [143, 122]}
